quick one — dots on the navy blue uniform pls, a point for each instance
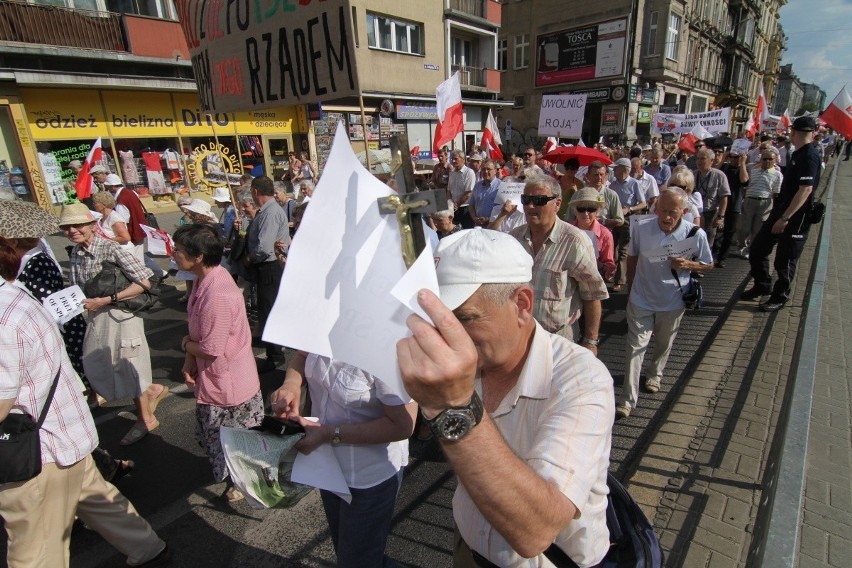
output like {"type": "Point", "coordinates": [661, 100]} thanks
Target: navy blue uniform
{"type": "Point", "coordinates": [803, 168]}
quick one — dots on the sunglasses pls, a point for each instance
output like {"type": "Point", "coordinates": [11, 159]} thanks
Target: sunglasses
{"type": "Point", "coordinates": [537, 200]}
{"type": "Point", "coordinates": [586, 209]}
{"type": "Point", "coordinates": [528, 154]}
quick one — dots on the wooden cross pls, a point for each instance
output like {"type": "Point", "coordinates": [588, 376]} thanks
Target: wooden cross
{"type": "Point", "coordinates": [409, 205]}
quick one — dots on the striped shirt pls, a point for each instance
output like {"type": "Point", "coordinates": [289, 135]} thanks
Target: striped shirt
{"type": "Point", "coordinates": [218, 322]}
{"type": "Point", "coordinates": [763, 184]}
{"type": "Point", "coordinates": [558, 419]}
{"type": "Point", "coordinates": [565, 273]}
{"type": "Point", "coordinates": [31, 352]}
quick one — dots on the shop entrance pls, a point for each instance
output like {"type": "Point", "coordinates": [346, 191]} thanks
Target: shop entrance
{"type": "Point", "coordinates": [277, 150]}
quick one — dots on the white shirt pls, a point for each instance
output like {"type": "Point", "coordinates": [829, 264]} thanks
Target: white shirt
{"type": "Point", "coordinates": [558, 419]}
{"type": "Point", "coordinates": [648, 185]}
{"type": "Point", "coordinates": [343, 394]}
{"type": "Point", "coordinates": [31, 352]}
{"type": "Point", "coordinates": [122, 210]}
{"type": "Point", "coordinates": [654, 286]}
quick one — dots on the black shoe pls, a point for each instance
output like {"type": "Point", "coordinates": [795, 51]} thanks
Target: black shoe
{"type": "Point", "coordinates": [772, 305]}
{"type": "Point", "coordinates": [753, 294]}
{"type": "Point", "coordinates": [719, 264]}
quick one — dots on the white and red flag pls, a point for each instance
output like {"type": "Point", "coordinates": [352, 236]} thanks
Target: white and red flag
{"type": "Point", "coordinates": [415, 150]}
{"type": "Point", "coordinates": [838, 115]}
{"type": "Point", "coordinates": [450, 113]}
{"type": "Point", "coordinates": [491, 138]}
{"type": "Point", "coordinates": [83, 185]}
{"type": "Point", "coordinates": [761, 113]}
{"type": "Point", "coordinates": [550, 144]}
{"type": "Point", "coordinates": [785, 119]}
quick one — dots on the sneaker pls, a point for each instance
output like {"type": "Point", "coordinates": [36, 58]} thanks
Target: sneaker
{"type": "Point", "coordinates": [753, 293]}
{"type": "Point", "coordinates": [744, 252]}
{"type": "Point", "coordinates": [772, 305]}
{"type": "Point", "coordinates": [622, 411]}
{"type": "Point", "coordinates": [652, 385]}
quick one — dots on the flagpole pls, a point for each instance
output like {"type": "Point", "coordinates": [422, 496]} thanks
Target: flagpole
{"type": "Point", "coordinates": [364, 131]}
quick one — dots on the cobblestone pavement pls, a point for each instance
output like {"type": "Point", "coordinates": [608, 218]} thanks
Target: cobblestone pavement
{"type": "Point", "coordinates": [701, 477]}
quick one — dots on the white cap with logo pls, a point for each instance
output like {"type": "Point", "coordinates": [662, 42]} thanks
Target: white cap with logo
{"type": "Point", "coordinates": [466, 260]}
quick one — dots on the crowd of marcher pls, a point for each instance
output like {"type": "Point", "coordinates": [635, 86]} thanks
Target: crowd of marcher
{"type": "Point", "coordinates": [507, 380]}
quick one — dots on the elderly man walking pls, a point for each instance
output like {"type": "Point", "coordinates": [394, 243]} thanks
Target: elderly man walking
{"type": "Point", "coordinates": [632, 201]}
{"type": "Point", "coordinates": [655, 280]}
{"type": "Point", "coordinates": [764, 183]}
{"type": "Point", "coordinates": [524, 417]}
{"type": "Point", "coordinates": [566, 280]}
{"type": "Point", "coordinates": [712, 184]}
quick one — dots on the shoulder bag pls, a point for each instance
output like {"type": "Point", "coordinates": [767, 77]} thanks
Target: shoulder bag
{"type": "Point", "coordinates": [20, 444]}
{"type": "Point", "coordinates": [112, 279]}
{"type": "Point", "coordinates": [817, 212]}
{"type": "Point", "coordinates": [633, 543]}
{"type": "Point", "coordinates": [693, 294]}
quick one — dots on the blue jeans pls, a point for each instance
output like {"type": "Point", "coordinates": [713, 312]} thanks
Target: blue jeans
{"type": "Point", "coordinates": [359, 530]}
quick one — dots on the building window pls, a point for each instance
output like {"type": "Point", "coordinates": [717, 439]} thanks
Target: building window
{"type": "Point", "coordinates": [502, 54]}
{"type": "Point", "coordinates": [522, 51]}
{"type": "Point", "coordinates": [651, 48]}
{"type": "Point", "coordinates": [673, 37]}
{"type": "Point", "coordinates": [394, 35]}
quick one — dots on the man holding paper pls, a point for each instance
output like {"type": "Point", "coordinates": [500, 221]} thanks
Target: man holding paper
{"type": "Point", "coordinates": [662, 254]}
{"type": "Point", "coordinates": [522, 415]}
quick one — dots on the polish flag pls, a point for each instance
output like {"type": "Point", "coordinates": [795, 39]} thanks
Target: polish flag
{"type": "Point", "coordinates": [838, 115]}
{"type": "Point", "coordinates": [687, 142]}
{"type": "Point", "coordinates": [785, 119]}
{"type": "Point", "coordinates": [415, 151]}
{"type": "Point", "coordinates": [762, 111]}
{"type": "Point", "coordinates": [491, 138]}
{"type": "Point", "coordinates": [83, 185]}
{"type": "Point", "coordinates": [549, 144]}
{"type": "Point", "coordinates": [450, 114]}
{"type": "Point", "coordinates": [750, 127]}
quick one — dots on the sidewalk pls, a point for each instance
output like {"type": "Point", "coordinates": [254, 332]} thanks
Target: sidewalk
{"type": "Point", "coordinates": [701, 478]}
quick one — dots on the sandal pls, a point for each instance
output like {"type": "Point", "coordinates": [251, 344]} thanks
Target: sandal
{"type": "Point", "coordinates": [232, 494]}
{"type": "Point", "coordinates": [155, 402]}
{"type": "Point", "coordinates": [139, 431]}
{"type": "Point", "coordinates": [125, 467]}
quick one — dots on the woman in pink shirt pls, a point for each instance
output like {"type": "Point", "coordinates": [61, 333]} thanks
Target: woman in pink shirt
{"type": "Point", "coordinates": [219, 364]}
{"type": "Point", "coordinates": [588, 202]}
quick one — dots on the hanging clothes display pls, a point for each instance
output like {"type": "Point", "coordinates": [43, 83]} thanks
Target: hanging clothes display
{"type": "Point", "coordinates": [154, 172]}
{"type": "Point", "coordinates": [128, 167]}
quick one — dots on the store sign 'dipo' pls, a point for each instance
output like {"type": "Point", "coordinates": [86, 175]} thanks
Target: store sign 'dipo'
{"type": "Point", "coordinates": [268, 53]}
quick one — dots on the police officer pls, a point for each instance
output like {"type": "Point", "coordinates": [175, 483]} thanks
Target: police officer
{"type": "Point", "coordinates": [788, 223]}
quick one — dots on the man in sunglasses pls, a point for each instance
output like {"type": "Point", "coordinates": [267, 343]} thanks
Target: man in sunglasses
{"type": "Point", "coordinates": [764, 183]}
{"type": "Point", "coordinates": [566, 280]}
{"type": "Point", "coordinates": [597, 177]}
{"type": "Point", "coordinates": [531, 166]}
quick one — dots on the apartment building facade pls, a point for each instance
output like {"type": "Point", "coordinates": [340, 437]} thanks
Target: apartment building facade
{"type": "Point", "coordinates": [789, 93]}
{"type": "Point", "coordinates": [635, 58]}
{"type": "Point", "coordinates": [120, 72]}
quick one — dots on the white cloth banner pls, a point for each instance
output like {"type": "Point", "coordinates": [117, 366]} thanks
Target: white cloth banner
{"type": "Point", "coordinates": [715, 121]}
{"type": "Point", "coordinates": [562, 115]}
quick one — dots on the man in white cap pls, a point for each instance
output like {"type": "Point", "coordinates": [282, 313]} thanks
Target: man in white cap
{"type": "Point", "coordinates": [523, 416]}
{"type": "Point", "coordinates": [130, 208]}
{"type": "Point", "coordinates": [632, 201]}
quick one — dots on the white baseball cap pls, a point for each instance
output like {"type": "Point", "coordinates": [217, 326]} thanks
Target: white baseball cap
{"type": "Point", "coordinates": [466, 260]}
{"type": "Point", "coordinates": [113, 179]}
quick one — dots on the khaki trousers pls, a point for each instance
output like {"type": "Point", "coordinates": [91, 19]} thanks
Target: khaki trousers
{"type": "Point", "coordinates": [39, 514]}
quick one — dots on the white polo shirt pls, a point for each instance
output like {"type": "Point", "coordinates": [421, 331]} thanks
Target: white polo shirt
{"type": "Point", "coordinates": [654, 287]}
{"type": "Point", "coordinates": [558, 419]}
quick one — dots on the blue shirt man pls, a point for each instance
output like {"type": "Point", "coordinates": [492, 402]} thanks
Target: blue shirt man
{"type": "Point", "coordinates": [484, 194]}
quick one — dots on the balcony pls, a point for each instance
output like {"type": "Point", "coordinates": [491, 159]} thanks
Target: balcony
{"type": "Point", "coordinates": [477, 11]}
{"type": "Point", "coordinates": [478, 78]}
{"type": "Point", "coordinates": [51, 25]}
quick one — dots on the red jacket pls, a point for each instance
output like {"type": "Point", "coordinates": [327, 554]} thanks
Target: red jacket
{"type": "Point", "coordinates": [129, 199]}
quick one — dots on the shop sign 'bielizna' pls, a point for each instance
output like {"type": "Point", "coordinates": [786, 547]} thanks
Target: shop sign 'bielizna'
{"type": "Point", "coordinates": [268, 53]}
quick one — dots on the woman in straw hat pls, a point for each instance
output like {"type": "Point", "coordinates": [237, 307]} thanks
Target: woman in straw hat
{"type": "Point", "coordinates": [115, 351]}
{"type": "Point", "coordinates": [587, 203]}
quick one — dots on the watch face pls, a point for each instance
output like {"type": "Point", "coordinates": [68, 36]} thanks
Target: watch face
{"type": "Point", "coordinates": [455, 426]}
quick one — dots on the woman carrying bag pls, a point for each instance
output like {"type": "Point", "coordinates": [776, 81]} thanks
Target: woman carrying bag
{"type": "Point", "coordinates": [115, 351]}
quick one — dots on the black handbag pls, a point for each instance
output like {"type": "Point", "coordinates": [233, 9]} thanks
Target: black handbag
{"type": "Point", "coordinates": [693, 294]}
{"type": "Point", "coordinates": [633, 543]}
{"type": "Point", "coordinates": [20, 444]}
{"type": "Point", "coordinates": [111, 280]}
{"type": "Point", "coordinates": [150, 218]}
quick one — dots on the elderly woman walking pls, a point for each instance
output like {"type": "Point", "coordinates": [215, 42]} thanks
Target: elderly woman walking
{"type": "Point", "coordinates": [116, 358]}
{"type": "Point", "coordinates": [219, 364]}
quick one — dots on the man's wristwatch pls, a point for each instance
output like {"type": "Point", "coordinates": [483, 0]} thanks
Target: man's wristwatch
{"type": "Point", "coordinates": [785, 218]}
{"type": "Point", "coordinates": [456, 422]}
{"type": "Point", "coordinates": [335, 438]}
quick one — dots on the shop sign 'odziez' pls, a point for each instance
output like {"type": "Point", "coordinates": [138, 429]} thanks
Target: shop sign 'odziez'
{"type": "Point", "coordinates": [253, 54]}
{"type": "Point", "coordinates": [210, 166]}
